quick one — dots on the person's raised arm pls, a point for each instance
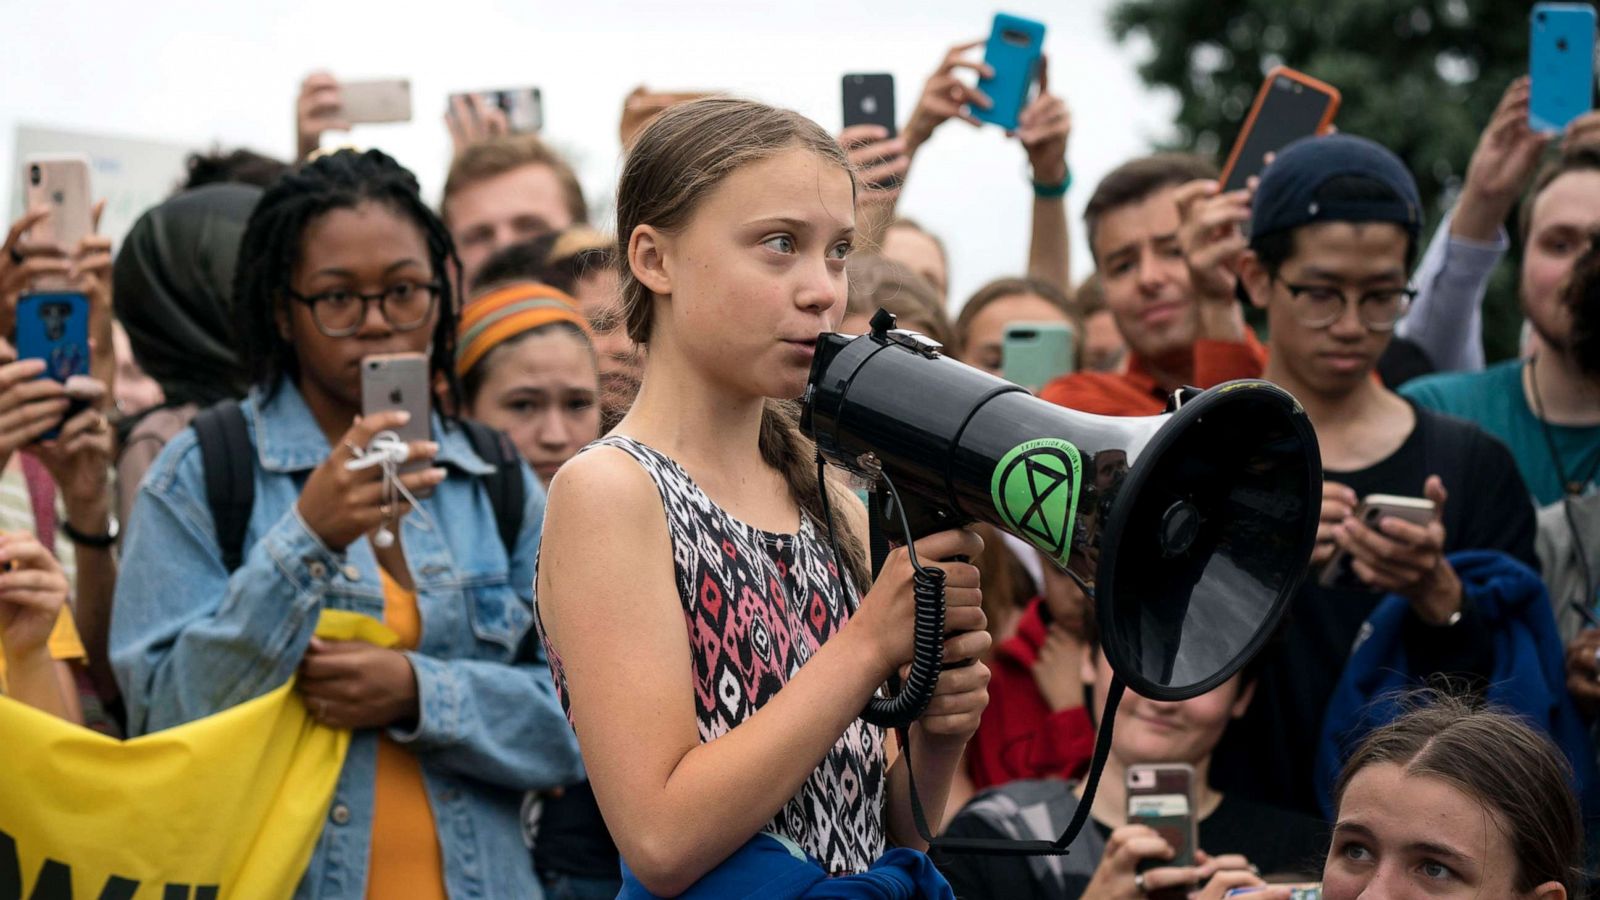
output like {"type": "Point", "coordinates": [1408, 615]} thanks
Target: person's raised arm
{"type": "Point", "coordinates": [608, 598]}
{"type": "Point", "coordinates": [880, 163]}
{"type": "Point", "coordinates": [1213, 242]}
{"type": "Point", "coordinates": [317, 109]}
{"type": "Point", "coordinates": [1043, 128]}
{"type": "Point", "coordinates": [945, 96]}
{"type": "Point", "coordinates": [1446, 319]}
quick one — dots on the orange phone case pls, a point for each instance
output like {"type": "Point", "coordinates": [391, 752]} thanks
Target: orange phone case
{"type": "Point", "coordinates": [1313, 84]}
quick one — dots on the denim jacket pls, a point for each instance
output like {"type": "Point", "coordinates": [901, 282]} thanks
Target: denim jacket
{"type": "Point", "coordinates": [188, 640]}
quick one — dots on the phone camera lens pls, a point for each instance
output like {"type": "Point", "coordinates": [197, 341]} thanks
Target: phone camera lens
{"type": "Point", "coordinates": [35, 174]}
{"type": "Point", "coordinates": [1539, 18]}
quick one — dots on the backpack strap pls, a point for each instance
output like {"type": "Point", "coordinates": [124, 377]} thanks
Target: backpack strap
{"type": "Point", "coordinates": [507, 493]}
{"type": "Point", "coordinates": [226, 454]}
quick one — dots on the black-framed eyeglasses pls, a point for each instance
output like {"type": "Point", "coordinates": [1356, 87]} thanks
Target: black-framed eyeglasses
{"type": "Point", "coordinates": [1321, 305]}
{"type": "Point", "coordinates": [406, 306]}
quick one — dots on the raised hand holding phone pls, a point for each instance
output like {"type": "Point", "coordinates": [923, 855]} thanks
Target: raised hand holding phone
{"type": "Point", "coordinates": [1012, 53]}
{"type": "Point", "coordinates": [317, 109]}
{"type": "Point", "coordinates": [945, 96]}
{"type": "Point", "coordinates": [1043, 128]}
{"type": "Point", "coordinates": [1290, 105]}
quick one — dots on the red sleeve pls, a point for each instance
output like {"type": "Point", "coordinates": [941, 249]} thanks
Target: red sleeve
{"type": "Point", "coordinates": [1218, 361]}
{"type": "Point", "coordinates": [1018, 737]}
{"type": "Point", "coordinates": [1063, 744]}
{"type": "Point", "coordinates": [1099, 393]}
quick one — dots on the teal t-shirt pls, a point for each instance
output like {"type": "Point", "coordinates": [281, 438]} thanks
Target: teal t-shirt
{"type": "Point", "coordinates": [1494, 399]}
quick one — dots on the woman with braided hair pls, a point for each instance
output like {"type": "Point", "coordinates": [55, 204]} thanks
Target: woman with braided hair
{"type": "Point", "coordinates": [341, 260]}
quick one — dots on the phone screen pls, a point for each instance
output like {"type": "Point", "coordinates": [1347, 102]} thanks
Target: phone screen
{"type": "Point", "coordinates": [1290, 110]}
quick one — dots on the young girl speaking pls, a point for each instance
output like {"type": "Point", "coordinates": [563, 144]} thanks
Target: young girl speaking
{"type": "Point", "coordinates": [712, 657]}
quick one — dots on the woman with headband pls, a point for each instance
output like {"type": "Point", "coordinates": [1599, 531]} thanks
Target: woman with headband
{"type": "Point", "coordinates": [526, 361]}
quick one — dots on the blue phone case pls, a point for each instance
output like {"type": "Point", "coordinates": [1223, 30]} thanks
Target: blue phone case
{"type": "Point", "coordinates": [1015, 46]}
{"type": "Point", "coordinates": [54, 327]}
{"type": "Point", "coordinates": [1561, 63]}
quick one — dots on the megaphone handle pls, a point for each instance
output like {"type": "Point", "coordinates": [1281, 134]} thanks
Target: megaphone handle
{"type": "Point", "coordinates": [960, 663]}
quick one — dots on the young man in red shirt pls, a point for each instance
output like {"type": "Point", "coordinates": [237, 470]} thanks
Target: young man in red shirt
{"type": "Point", "coordinates": [1163, 239]}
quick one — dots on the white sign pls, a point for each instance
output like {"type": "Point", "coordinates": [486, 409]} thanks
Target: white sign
{"type": "Point", "coordinates": [132, 175]}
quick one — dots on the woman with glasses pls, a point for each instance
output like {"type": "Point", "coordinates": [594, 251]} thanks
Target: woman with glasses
{"type": "Point", "coordinates": [341, 260]}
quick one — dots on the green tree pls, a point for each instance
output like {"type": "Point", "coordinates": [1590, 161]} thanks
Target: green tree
{"type": "Point", "coordinates": [1419, 76]}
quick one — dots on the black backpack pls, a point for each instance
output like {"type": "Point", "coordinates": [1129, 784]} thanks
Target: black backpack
{"type": "Point", "coordinates": [227, 456]}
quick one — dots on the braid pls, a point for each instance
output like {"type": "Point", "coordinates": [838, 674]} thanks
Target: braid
{"type": "Point", "coordinates": [270, 249]}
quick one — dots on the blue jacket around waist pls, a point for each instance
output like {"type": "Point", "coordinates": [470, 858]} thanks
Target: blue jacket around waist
{"type": "Point", "coordinates": [771, 867]}
{"type": "Point", "coordinates": [1528, 677]}
{"type": "Point", "coordinates": [188, 640]}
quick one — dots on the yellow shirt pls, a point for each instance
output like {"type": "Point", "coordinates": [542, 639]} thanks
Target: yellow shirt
{"type": "Point", "coordinates": [404, 860]}
{"type": "Point", "coordinates": [64, 643]}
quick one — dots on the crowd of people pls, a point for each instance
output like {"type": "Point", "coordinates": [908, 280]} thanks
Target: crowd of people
{"type": "Point", "coordinates": [630, 660]}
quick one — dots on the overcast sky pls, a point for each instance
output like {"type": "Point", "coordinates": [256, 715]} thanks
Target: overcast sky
{"type": "Point", "coordinates": [225, 73]}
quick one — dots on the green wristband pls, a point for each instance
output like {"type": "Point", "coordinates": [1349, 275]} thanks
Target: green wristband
{"type": "Point", "coordinates": [1053, 191]}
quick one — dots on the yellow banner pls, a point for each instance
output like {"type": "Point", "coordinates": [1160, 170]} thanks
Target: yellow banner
{"type": "Point", "coordinates": [223, 808]}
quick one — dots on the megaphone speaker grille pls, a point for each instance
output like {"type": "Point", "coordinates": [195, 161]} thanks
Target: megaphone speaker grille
{"type": "Point", "coordinates": [1208, 541]}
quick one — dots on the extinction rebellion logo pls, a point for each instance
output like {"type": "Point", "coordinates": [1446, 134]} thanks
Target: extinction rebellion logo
{"type": "Point", "coordinates": [1035, 490]}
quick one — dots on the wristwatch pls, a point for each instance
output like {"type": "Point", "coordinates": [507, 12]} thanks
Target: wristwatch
{"type": "Point", "coordinates": [99, 541]}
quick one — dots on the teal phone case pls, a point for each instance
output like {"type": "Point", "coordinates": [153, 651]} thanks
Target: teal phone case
{"type": "Point", "coordinates": [1015, 45]}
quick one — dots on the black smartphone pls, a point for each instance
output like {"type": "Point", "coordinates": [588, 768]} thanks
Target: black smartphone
{"type": "Point", "coordinates": [1290, 105]}
{"type": "Point", "coordinates": [869, 100]}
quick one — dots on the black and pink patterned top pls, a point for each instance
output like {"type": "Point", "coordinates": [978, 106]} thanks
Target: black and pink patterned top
{"type": "Point", "coordinates": [757, 605]}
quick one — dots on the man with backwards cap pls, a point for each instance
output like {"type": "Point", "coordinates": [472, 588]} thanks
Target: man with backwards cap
{"type": "Point", "coordinates": [1333, 236]}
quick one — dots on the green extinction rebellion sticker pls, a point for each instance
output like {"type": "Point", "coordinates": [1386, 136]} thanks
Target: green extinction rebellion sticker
{"type": "Point", "coordinates": [1035, 490]}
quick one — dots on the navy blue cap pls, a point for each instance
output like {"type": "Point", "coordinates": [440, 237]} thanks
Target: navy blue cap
{"type": "Point", "coordinates": [1287, 195]}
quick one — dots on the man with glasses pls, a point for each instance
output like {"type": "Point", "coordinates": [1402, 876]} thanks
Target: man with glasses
{"type": "Point", "coordinates": [1334, 227]}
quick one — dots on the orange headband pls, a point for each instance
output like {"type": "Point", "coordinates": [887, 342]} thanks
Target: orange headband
{"type": "Point", "coordinates": [506, 312]}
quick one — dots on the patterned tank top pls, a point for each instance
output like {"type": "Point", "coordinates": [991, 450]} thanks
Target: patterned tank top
{"type": "Point", "coordinates": [756, 606]}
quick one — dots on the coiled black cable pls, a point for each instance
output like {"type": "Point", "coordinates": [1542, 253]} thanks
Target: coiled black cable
{"type": "Point", "coordinates": [927, 648]}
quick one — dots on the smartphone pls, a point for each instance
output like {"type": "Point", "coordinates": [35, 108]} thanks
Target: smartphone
{"type": "Point", "coordinates": [1015, 46]}
{"type": "Point", "coordinates": [391, 381]}
{"type": "Point", "coordinates": [1033, 354]}
{"type": "Point", "coordinates": [376, 101]}
{"type": "Point", "coordinates": [1336, 572]}
{"type": "Point", "coordinates": [59, 182]}
{"type": "Point", "coordinates": [1290, 105]}
{"type": "Point", "coordinates": [1560, 64]}
{"type": "Point", "coordinates": [1296, 892]}
{"type": "Point", "coordinates": [1161, 796]}
{"type": "Point", "coordinates": [868, 99]}
{"type": "Point", "coordinates": [54, 326]}
{"type": "Point", "coordinates": [523, 107]}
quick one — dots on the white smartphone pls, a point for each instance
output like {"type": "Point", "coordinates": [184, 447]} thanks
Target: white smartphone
{"type": "Point", "coordinates": [524, 107]}
{"type": "Point", "coordinates": [59, 182]}
{"type": "Point", "coordinates": [399, 381]}
{"type": "Point", "coordinates": [1336, 572]}
{"type": "Point", "coordinates": [376, 101]}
